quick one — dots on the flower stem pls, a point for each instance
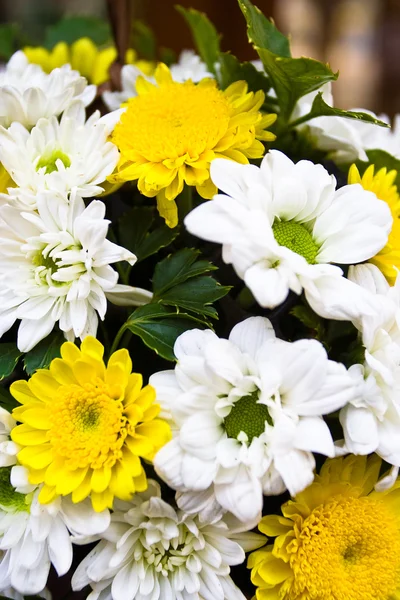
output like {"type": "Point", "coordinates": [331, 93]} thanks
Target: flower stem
{"type": "Point", "coordinates": [117, 338]}
{"type": "Point", "coordinates": [301, 120]}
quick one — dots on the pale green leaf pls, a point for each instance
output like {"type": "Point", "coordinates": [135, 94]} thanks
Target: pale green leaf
{"type": "Point", "coordinates": [204, 34]}
{"type": "Point", "coordinates": [262, 32]}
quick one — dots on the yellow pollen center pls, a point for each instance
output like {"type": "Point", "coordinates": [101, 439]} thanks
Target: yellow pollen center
{"type": "Point", "coordinates": [88, 426]}
{"type": "Point", "coordinates": [348, 549]}
{"type": "Point", "coordinates": [176, 120]}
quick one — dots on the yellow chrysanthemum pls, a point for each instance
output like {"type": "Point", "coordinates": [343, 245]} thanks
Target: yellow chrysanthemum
{"type": "Point", "coordinates": [337, 540]}
{"type": "Point", "coordinates": [85, 426]}
{"type": "Point", "coordinates": [84, 56]}
{"type": "Point", "coordinates": [382, 184]}
{"type": "Point", "coordinates": [171, 132]}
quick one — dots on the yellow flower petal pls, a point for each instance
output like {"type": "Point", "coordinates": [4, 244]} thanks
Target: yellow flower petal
{"type": "Point", "coordinates": [22, 392]}
{"type": "Point", "coordinates": [29, 436]}
{"type": "Point", "coordinates": [101, 479]}
{"type": "Point", "coordinates": [36, 457]}
{"type": "Point", "coordinates": [47, 495]}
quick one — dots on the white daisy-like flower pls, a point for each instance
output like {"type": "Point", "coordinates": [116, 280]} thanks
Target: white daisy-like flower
{"type": "Point", "coordinates": [371, 420]}
{"type": "Point", "coordinates": [70, 154]}
{"type": "Point", "coordinates": [34, 536]}
{"type": "Point", "coordinates": [55, 267]}
{"type": "Point", "coordinates": [189, 66]}
{"type": "Point", "coordinates": [153, 552]}
{"type": "Point", "coordinates": [246, 414]}
{"type": "Point", "coordinates": [27, 93]}
{"type": "Point", "coordinates": [282, 224]}
{"type": "Point", "coordinates": [8, 448]}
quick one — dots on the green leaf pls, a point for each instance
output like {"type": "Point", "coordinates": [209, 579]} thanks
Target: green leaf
{"type": "Point", "coordinates": [133, 227]}
{"type": "Point", "coordinates": [134, 234]}
{"type": "Point", "coordinates": [70, 29]}
{"type": "Point", "coordinates": [8, 33]}
{"type": "Point", "coordinates": [321, 109]}
{"type": "Point", "coordinates": [159, 326]}
{"type": "Point", "coordinates": [232, 70]}
{"type": "Point", "coordinates": [196, 295]}
{"type": "Point", "coordinates": [310, 319]}
{"type": "Point", "coordinates": [6, 400]}
{"type": "Point", "coordinates": [9, 356]}
{"type": "Point", "coordinates": [144, 41]}
{"type": "Point", "coordinates": [178, 268]}
{"type": "Point", "coordinates": [293, 78]}
{"type": "Point", "coordinates": [262, 32]}
{"type": "Point", "coordinates": [159, 238]}
{"type": "Point", "coordinates": [204, 34]}
{"type": "Point", "coordinates": [43, 353]}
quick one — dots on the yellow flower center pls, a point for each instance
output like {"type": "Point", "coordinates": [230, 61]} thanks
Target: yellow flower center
{"type": "Point", "coordinates": [348, 549]}
{"type": "Point", "coordinates": [175, 120]}
{"type": "Point", "coordinates": [88, 426]}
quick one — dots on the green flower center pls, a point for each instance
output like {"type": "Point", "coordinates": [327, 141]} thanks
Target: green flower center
{"type": "Point", "coordinates": [249, 416]}
{"type": "Point", "coordinates": [49, 161]}
{"type": "Point", "coordinates": [38, 260]}
{"type": "Point", "coordinates": [296, 237]}
{"type": "Point", "coordinates": [10, 500]}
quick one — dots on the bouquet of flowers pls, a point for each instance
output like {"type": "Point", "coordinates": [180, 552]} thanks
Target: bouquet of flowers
{"type": "Point", "coordinates": [200, 327]}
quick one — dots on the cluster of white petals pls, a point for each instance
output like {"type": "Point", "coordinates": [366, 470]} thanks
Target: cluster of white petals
{"type": "Point", "coordinates": [55, 267]}
{"type": "Point", "coordinates": [371, 421]}
{"type": "Point", "coordinates": [283, 224]}
{"type": "Point", "coordinates": [34, 536]}
{"type": "Point", "coordinates": [151, 551]}
{"type": "Point", "coordinates": [246, 415]}
{"type": "Point", "coordinates": [60, 156]}
{"type": "Point", "coordinates": [27, 93]}
{"type": "Point", "coordinates": [8, 448]}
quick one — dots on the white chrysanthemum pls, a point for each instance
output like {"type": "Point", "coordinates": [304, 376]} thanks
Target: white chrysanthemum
{"type": "Point", "coordinates": [27, 93]}
{"type": "Point", "coordinates": [8, 448]}
{"type": "Point", "coordinates": [283, 223]}
{"type": "Point", "coordinates": [70, 154]}
{"type": "Point", "coordinates": [34, 536]}
{"type": "Point", "coordinates": [55, 267]}
{"type": "Point", "coordinates": [371, 420]}
{"type": "Point", "coordinates": [153, 552]}
{"type": "Point", "coordinates": [246, 414]}
{"type": "Point", "coordinates": [189, 66]}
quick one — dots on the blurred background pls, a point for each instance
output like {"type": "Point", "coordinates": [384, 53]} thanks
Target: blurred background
{"type": "Point", "coordinates": [361, 38]}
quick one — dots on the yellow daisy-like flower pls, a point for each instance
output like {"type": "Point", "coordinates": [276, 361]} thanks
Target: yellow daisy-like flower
{"type": "Point", "coordinates": [171, 132]}
{"type": "Point", "coordinates": [85, 426]}
{"type": "Point", "coordinates": [382, 184]}
{"type": "Point", "coordinates": [84, 56]}
{"type": "Point", "coordinates": [337, 540]}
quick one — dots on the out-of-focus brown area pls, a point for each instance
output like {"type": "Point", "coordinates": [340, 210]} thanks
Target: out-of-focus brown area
{"type": "Point", "coordinates": [360, 38]}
